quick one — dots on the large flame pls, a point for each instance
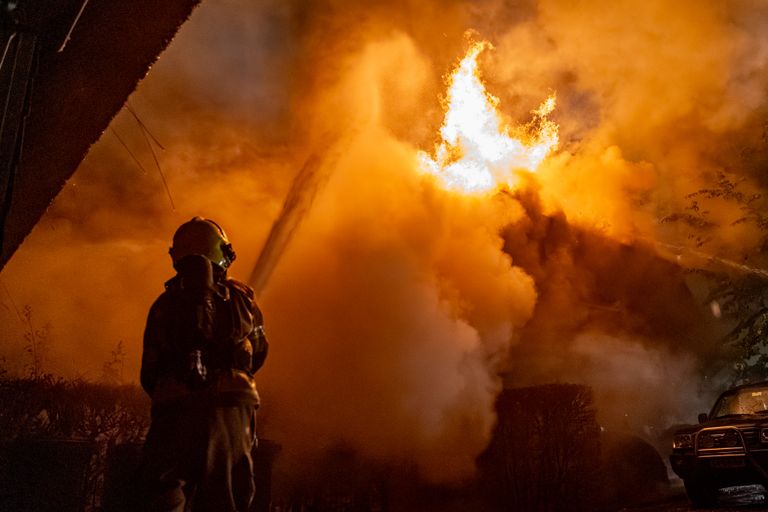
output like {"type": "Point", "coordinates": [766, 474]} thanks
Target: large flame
{"type": "Point", "coordinates": [478, 152]}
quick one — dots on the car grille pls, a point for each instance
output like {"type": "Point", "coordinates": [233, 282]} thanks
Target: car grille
{"type": "Point", "coordinates": [751, 437]}
{"type": "Point", "coordinates": [720, 441]}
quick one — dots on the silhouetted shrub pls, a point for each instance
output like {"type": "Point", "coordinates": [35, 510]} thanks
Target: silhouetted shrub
{"type": "Point", "coordinates": [544, 453]}
{"type": "Point", "coordinates": [50, 413]}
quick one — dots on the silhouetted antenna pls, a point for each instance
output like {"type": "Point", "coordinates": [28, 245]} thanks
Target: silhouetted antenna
{"type": "Point", "coordinates": [143, 126]}
{"type": "Point", "coordinates": [122, 143]}
{"type": "Point", "coordinates": [147, 134]}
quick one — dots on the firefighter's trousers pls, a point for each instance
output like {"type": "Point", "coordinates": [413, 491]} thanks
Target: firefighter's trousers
{"type": "Point", "coordinates": [197, 458]}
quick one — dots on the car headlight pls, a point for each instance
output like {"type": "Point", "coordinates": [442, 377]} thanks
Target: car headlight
{"type": "Point", "coordinates": [681, 441]}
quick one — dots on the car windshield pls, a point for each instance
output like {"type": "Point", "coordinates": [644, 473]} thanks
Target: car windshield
{"type": "Point", "coordinates": [742, 401]}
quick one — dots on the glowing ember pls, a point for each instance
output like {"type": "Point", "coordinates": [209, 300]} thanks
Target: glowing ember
{"type": "Point", "coordinates": [477, 152]}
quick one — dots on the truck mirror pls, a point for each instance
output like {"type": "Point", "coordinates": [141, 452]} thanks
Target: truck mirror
{"type": "Point", "coordinates": [703, 417]}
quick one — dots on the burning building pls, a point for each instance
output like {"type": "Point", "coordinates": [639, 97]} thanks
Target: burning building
{"type": "Point", "coordinates": [418, 253]}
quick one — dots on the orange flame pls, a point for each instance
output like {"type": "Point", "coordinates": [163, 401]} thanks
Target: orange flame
{"type": "Point", "coordinates": [478, 153]}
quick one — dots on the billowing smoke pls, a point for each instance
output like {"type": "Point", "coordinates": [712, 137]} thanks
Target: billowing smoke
{"type": "Point", "coordinates": [397, 309]}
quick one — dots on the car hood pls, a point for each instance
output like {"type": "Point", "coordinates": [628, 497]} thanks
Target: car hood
{"type": "Point", "coordinates": [741, 421]}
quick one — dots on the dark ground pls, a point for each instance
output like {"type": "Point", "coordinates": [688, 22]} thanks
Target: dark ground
{"type": "Point", "coordinates": [741, 499]}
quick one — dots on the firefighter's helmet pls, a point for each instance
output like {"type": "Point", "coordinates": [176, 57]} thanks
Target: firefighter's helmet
{"type": "Point", "coordinates": [202, 237]}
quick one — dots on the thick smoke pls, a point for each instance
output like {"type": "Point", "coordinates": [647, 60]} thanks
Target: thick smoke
{"type": "Point", "coordinates": [656, 99]}
{"type": "Point", "coordinates": [396, 305]}
{"type": "Point", "coordinates": [406, 302]}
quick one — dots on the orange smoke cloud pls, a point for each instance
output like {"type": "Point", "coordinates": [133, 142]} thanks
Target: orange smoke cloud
{"type": "Point", "coordinates": [407, 303]}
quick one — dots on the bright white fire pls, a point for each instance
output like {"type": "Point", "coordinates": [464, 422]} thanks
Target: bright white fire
{"type": "Point", "coordinates": [478, 153]}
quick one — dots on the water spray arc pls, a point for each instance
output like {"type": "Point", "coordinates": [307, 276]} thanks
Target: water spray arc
{"type": "Point", "coordinates": [680, 251]}
{"type": "Point", "coordinates": [297, 204]}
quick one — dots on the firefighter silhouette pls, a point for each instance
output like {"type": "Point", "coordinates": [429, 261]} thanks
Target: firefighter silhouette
{"type": "Point", "coordinates": [203, 342]}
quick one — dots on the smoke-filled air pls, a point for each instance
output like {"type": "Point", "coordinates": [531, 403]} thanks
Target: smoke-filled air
{"type": "Point", "coordinates": [447, 197]}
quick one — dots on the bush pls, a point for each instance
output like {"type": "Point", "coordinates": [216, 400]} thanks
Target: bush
{"type": "Point", "coordinates": [544, 452]}
{"type": "Point", "coordinates": [45, 411]}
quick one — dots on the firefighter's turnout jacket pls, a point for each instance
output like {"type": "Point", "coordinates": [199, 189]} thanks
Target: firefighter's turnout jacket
{"type": "Point", "coordinates": [205, 343]}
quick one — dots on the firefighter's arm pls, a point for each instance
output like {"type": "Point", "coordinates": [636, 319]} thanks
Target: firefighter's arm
{"type": "Point", "coordinates": [150, 357]}
{"type": "Point", "coordinates": [256, 337]}
{"type": "Point", "coordinates": [258, 340]}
